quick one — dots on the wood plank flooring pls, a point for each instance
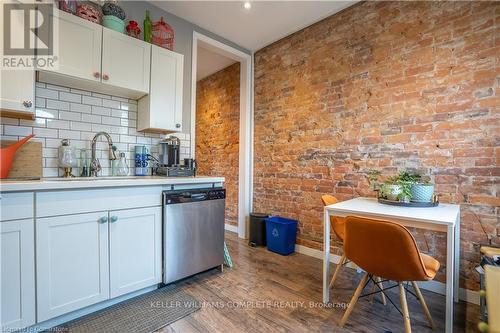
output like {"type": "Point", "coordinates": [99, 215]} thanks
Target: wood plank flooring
{"type": "Point", "coordinates": [267, 292]}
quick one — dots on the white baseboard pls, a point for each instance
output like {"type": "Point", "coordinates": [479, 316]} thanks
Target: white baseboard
{"type": "Point", "coordinates": [231, 228]}
{"type": "Point", "coordinates": [466, 295]}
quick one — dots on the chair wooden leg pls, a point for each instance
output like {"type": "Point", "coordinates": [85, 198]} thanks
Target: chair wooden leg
{"type": "Point", "coordinates": [354, 299]}
{"type": "Point", "coordinates": [384, 301]}
{"type": "Point", "coordinates": [424, 305]}
{"type": "Point", "coordinates": [404, 307]}
{"type": "Point", "coordinates": [337, 270]}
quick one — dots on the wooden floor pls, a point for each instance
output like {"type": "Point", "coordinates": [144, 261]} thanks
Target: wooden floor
{"type": "Point", "coordinates": [267, 292]}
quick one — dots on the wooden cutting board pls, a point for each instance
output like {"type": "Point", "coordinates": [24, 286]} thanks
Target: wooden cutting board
{"type": "Point", "coordinates": [27, 160]}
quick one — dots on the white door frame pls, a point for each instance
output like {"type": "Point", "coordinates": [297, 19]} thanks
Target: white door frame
{"type": "Point", "coordinates": [245, 178]}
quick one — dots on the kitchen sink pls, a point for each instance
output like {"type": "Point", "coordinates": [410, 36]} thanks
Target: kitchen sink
{"type": "Point", "coordinates": [92, 178]}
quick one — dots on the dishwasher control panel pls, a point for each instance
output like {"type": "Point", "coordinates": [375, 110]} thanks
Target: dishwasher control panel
{"type": "Point", "coordinates": [184, 196]}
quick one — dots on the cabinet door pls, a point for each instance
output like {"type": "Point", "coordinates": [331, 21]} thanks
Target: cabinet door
{"type": "Point", "coordinates": [72, 263]}
{"type": "Point", "coordinates": [135, 249]}
{"type": "Point", "coordinates": [17, 93]}
{"type": "Point", "coordinates": [79, 50]}
{"type": "Point", "coordinates": [125, 61]}
{"type": "Point", "coordinates": [17, 274]}
{"type": "Point", "coordinates": [165, 99]}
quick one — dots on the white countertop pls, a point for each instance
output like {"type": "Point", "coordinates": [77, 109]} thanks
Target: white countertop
{"type": "Point", "coordinates": [99, 182]}
{"type": "Point", "coordinates": [442, 214]}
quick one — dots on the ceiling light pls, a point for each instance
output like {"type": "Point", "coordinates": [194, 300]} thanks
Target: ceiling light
{"type": "Point", "coordinates": [247, 5]}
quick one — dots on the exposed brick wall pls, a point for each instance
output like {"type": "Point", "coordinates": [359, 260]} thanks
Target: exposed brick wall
{"type": "Point", "coordinates": [217, 131]}
{"type": "Point", "coordinates": [385, 86]}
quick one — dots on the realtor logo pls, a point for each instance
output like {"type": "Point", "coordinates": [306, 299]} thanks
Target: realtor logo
{"type": "Point", "coordinates": [28, 36]}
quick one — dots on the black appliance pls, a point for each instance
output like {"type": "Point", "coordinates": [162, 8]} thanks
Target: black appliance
{"type": "Point", "coordinates": [257, 235]}
{"type": "Point", "coordinates": [170, 149]}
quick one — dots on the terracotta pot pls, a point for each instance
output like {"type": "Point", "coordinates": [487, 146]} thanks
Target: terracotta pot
{"type": "Point", "coordinates": [7, 156]}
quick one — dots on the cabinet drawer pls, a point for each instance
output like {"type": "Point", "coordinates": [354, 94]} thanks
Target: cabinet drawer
{"type": "Point", "coordinates": [83, 201]}
{"type": "Point", "coordinates": [16, 206]}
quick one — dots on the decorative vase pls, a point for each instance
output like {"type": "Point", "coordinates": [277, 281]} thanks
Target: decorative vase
{"type": "Point", "coordinates": [421, 192]}
{"type": "Point", "coordinates": [114, 23]}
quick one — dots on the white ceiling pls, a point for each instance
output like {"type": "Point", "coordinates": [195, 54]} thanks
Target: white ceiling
{"type": "Point", "coordinates": [264, 23]}
{"type": "Point", "coordinates": [210, 62]}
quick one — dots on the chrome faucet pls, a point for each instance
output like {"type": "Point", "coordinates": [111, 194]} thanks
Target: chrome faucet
{"type": "Point", "coordinates": [95, 165]}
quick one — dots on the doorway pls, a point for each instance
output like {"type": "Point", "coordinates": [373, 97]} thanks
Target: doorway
{"type": "Point", "coordinates": [229, 109]}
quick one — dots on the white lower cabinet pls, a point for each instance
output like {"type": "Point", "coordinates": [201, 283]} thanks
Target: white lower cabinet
{"type": "Point", "coordinates": [17, 274]}
{"type": "Point", "coordinates": [134, 249]}
{"type": "Point", "coordinates": [83, 259]}
{"type": "Point", "coordinates": [72, 263]}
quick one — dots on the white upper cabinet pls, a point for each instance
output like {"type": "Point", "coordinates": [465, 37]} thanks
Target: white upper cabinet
{"type": "Point", "coordinates": [161, 110]}
{"type": "Point", "coordinates": [17, 275]}
{"type": "Point", "coordinates": [17, 86]}
{"type": "Point", "coordinates": [125, 61]}
{"type": "Point", "coordinates": [135, 249]}
{"type": "Point", "coordinates": [79, 51]}
{"type": "Point", "coordinates": [72, 263]}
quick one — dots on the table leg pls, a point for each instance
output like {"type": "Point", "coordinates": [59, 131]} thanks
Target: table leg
{"type": "Point", "coordinates": [326, 255]}
{"type": "Point", "coordinates": [457, 260]}
{"type": "Point", "coordinates": [450, 270]}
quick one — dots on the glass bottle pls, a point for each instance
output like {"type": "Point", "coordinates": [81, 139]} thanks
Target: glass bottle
{"type": "Point", "coordinates": [122, 167]}
{"type": "Point", "coordinates": [147, 28]}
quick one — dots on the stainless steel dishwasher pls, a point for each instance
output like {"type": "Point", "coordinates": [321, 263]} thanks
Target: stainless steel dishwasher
{"type": "Point", "coordinates": [193, 231]}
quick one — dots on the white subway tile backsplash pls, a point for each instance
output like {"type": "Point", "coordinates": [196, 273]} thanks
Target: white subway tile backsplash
{"type": "Point", "coordinates": [45, 133]}
{"type": "Point", "coordinates": [83, 108]}
{"type": "Point", "coordinates": [110, 121]}
{"type": "Point", "coordinates": [67, 113]}
{"type": "Point", "coordinates": [17, 130]}
{"type": "Point", "coordinates": [70, 115]}
{"type": "Point", "coordinates": [128, 139]}
{"type": "Point", "coordinates": [46, 93]}
{"type": "Point", "coordinates": [128, 106]}
{"type": "Point", "coordinates": [91, 118]}
{"type": "Point", "coordinates": [70, 97]}
{"type": "Point", "coordinates": [59, 105]}
{"type": "Point", "coordinates": [91, 100]}
{"type": "Point", "coordinates": [101, 110]}
{"type": "Point", "coordinates": [59, 124]}
{"type": "Point", "coordinates": [111, 104]}
{"type": "Point", "coordinates": [64, 134]}
{"type": "Point", "coordinates": [46, 113]}
{"type": "Point", "coordinates": [79, 126]}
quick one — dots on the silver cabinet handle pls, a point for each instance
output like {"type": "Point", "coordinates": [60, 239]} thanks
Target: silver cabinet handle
{"type": "Point", "coordinates": [114, 218]}
{"type": "Point", "coordinates": [27, 104]}
{"type": "Point", "coordinates": [103, 219]}
{"type": "Point", "coordinates": [105, 77]}
{"type": "Point", "coordinates": [97, 75]}
{"type": "Point", "coordinates": [178, 125]}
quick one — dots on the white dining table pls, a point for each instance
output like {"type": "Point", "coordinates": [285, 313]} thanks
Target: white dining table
{"type": "Point", "coordinates": [443, 218]}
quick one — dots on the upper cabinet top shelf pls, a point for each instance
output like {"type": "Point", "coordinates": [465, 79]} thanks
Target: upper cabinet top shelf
{"type": "Point", "coordinates": [95, 58]}
{"type": "Point", "coordinates": [92, 57]}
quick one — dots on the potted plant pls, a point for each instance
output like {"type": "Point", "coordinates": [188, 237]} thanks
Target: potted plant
{"type": "Point", "coordinates": [398, 188]}
{"type": "Point", "coordinates": [422, 191]}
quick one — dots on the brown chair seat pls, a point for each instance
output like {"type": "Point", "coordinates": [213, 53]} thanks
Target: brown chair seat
{"type": "Point", "coordinates": [431, 265]}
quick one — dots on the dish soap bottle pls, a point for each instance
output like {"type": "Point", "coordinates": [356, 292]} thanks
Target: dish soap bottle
{"type": "Point", "coordinates": [122, 167]}
{"type": "Point", "coordinates": [147, 28]}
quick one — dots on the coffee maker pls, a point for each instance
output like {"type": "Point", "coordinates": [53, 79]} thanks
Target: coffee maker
{"type": "Point", "coordinates": [170, 151]}
{"type": "Point", "coordinates": [169, 160]}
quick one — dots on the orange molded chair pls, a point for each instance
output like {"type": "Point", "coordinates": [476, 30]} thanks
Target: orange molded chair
{"type": "Point", "coordinates": [387, 250]}
{"type": "Point", "coordinates": [338, 226]}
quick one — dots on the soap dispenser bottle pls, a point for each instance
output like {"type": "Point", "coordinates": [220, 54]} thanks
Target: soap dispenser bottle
{"type": "Point", "coordinates": [122, 167]}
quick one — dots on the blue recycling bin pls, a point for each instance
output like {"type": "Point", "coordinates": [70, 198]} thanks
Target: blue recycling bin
{"type": "Point", "coordinates": [281, 234]}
